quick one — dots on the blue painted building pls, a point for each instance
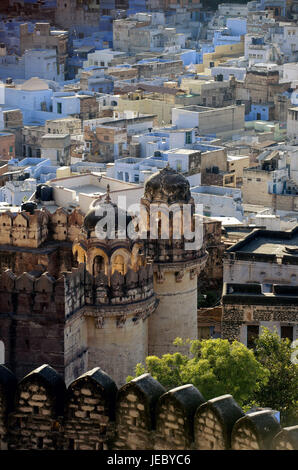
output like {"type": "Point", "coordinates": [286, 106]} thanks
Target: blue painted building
{"type": "Point", "coordinates": [260, 112]}
{"type": "Point", "coordinates": [237, 26]}
{"type": "Point", "coordinates": [136, 6]}
{"type": "Point", "coordinates": [225, 36]}
{"type": "Point", "coordinates": [41, 169]}
{"type": "Point", "coordinates": [278, 7]}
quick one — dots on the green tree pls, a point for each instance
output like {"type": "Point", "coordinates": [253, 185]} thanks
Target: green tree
{"type": "Point", "coordinates": [216, 367]}
{"type": "Point", "coordinates": [167, 369]}
{"type": "Point", "coordinates": [281, 390]}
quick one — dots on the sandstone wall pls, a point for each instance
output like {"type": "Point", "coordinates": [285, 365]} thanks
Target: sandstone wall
{"type": "Point", "coordinates": [92, 415]}
{"type": "Point", "coordinates": [177, 293]}
{"type": "Point", "coordinates": [32, 320]}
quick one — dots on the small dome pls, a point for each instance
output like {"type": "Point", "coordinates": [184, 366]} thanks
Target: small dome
{"type": "Point", "coordinates": [167, 186]}
{"type": "Point", "coordinates": [105, 208]}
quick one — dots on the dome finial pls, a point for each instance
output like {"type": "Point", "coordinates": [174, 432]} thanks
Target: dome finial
{"type": "Point", "coordinates": [108, 197]}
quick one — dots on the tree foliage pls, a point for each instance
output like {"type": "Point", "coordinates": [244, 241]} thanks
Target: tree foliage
{"type": "Point", "coordinates": [281, 390]}
{"type": "Point", "coordinates": [215, 367]}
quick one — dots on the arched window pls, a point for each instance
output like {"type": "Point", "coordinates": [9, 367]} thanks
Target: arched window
{"type": "Point", "coordinates": [118, 264]}
{"type": "Point", "coordinates": [98, 265]}
{"type": "Point", "coordinates": [2, 353]}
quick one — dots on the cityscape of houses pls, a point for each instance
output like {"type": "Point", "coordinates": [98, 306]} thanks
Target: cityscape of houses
{"type": "Point", "coordinates": [158, 101]}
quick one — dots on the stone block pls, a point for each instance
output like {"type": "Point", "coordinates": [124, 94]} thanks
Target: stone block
{"type": "Point", "coordinates": [131, 397]}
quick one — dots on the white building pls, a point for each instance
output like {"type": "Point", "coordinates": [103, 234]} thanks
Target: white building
{"type": "Point", "coordinates": [136, 170]}
{"type": "Point", "coordinates": [33, 98]}
{"type": "Point", "coordinates": [42, 63]}
{"type": "Point", "coordinates": [290, 73]}
{"type": "Point", "coordinates": [56, 148]}
{"type": "Point", "coordinates": [219, 201]}
{"type": "Point", "coordinates": [289, 42]}
{"type": "Point", "coordinates": [17, 192]}
{"type": "Point", "coordinates": [292, 123]}
{"type": "Point", "coordinates": [102, 58]}
{"type": "Point", "coordinates": [232, 9]}
{"type": "Point", "coordinates": [226, 71]}
{"type": "Point", "coordinates": [162, 139]}
{"type": "Point", "coordinates": [256, 50]}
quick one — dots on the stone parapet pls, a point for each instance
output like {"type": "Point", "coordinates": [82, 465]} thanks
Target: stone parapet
{"type": "Point", "coordinates": [91, 414]}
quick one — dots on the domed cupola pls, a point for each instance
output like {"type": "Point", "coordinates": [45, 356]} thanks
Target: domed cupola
{"type": "Point", "coordinates": [104, 209]}
{"type": "Point", "coordinates": [167, 186]}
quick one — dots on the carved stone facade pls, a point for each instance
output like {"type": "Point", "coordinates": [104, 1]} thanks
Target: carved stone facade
{"type": "Point", "coordinates": [88, 299]}
{"type": "Point", "coordinates": [176, 265]}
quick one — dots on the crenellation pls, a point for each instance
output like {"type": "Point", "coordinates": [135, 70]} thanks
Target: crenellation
{"type": "Point", "coordinates": [255, 431]}
{"type": "Point", "coordinates": [214, 421]}
{"type": "Point", "coordinates": [175, 414]}
{"type": "Point", "coordinates": [93, 415]}
{"type": "Point", "coordinates": [286, 439]}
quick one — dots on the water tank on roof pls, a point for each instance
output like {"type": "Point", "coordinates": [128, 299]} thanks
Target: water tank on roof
{"type": "Point", "coordinates": [38, 191]}
{"type": "Point", "coordinates": [46, 193]}
{"type": "Point", "coordinates": [29, 207]}
{"type": "Point", "coordinates": [8, 81]}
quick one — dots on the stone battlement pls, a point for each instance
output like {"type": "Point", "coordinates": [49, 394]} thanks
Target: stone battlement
{"type": "Point", "coordinates": [39, 412]}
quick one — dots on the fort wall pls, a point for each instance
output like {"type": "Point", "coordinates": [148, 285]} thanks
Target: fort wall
{"type": "Point", "coordinates": [92, 414]}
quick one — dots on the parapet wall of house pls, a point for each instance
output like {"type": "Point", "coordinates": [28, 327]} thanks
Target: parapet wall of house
{"type": "Point", "coordinates": [91, 414]}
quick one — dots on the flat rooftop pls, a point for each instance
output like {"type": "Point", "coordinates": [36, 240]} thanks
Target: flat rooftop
{"type": "Point", "coordinates": [88, 189]}
{"type": "Point", "coordinates": [269, 242]}
{"type": "Point", "coordinates": [270, 246]}
{"type": "Point", "coordinates": [180, 151]}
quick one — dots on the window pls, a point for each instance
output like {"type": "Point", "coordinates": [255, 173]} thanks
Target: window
{"type": "Point", "coordinates": [118, 264]}
{"type": "Point", "coordinates": [188, 138]}
{"type": "Point", "coordinates": [59, 108]}
{"type": "Point", "coordinates": [286, 332]}
{"type": "Point", "coordinates": [252, 335]}
{"type": "Point", "coordinates": [10, 149]}
{"type": "Point", "coordinates": [98, 265]}
{"type": "Point", "coordinates": [203, 332]}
